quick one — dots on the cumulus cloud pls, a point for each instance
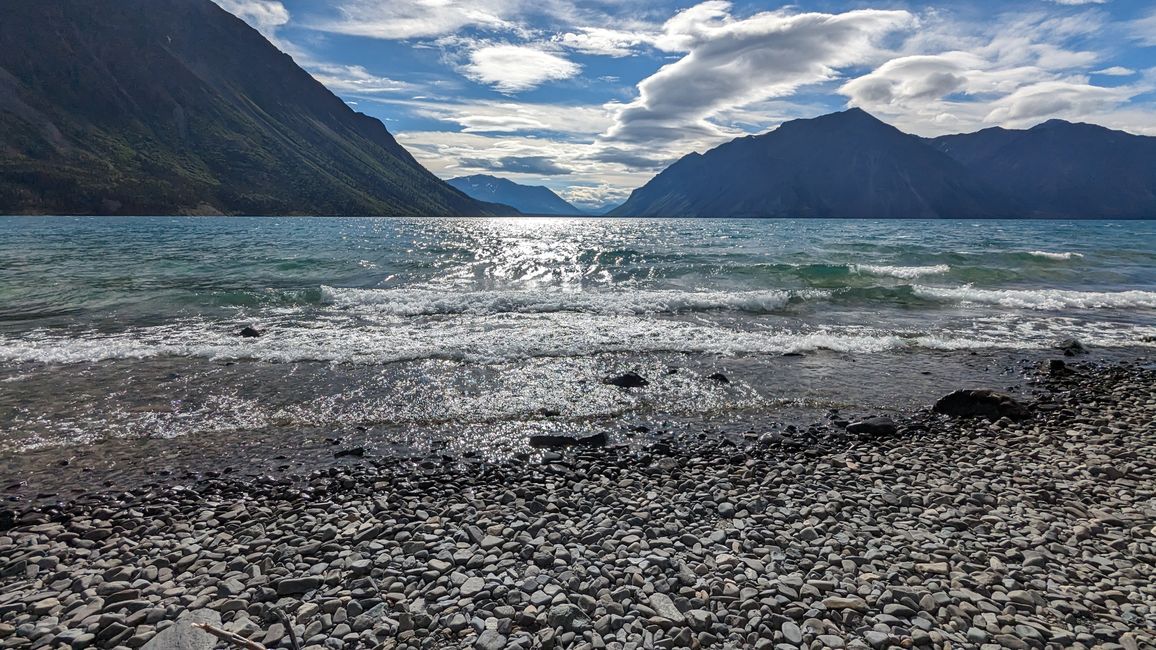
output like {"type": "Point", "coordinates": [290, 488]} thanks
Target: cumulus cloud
{"type": "Point", "coordinates": [731, 62]}
{"type": "Point", "coordinates": [515, 68]}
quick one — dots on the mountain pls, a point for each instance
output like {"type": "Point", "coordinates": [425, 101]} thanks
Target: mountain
{"type": "Point", "coordinates": [527, 199]}
{"type": "Point", "coordinates": [846, 164]}
{"type": "Point", "coordinates": [1063, 170]}
{"type": "Point", "coordinates": [176, 106]}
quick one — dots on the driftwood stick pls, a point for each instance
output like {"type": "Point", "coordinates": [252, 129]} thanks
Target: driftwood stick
{"type": "Point", "coordinates": [229, 637]}
{"type": "Point", "coordinates": [288, 628]}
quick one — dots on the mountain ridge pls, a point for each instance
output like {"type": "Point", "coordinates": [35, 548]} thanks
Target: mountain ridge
{"type": "Point", "coordinates": [527, 199]}
{"type": "Point", "coordinates": [138, 107]}
{"type": "Point", "coordinates": [850, 164]}
{"type": "Point", "coordinates": [845, 164]}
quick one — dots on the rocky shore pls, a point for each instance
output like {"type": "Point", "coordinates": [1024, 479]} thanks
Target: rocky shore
{"type": "Point", "coordinates": [930, 531]}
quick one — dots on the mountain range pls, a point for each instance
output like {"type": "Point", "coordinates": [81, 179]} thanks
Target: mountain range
{"type": "Point", "coordinates": [527, 199]}
{"type": "Point", "coordinates": [852, 165]}
{"type": "Point", "coordinates": [178, 107]}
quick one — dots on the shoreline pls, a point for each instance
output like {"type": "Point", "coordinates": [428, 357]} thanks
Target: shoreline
{"type": "Point", "coordinates": [962, 532]}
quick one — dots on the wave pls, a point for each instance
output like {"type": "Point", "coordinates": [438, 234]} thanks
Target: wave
{"type": "Point", "coordinates": [358, 338]}
{"type": "Point", "coordinates": [903, 272]}
{"type": "Point", "coordinates": [1044, 299]}
{"type": "Point", "coordinates": [421, 302]}
{"type": "Point", "coordinates": [1055, 256]}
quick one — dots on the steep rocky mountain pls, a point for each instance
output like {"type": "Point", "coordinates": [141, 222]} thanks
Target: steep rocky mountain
{"type": "Point", "coordinates": [846, 164]}
{"type": "Point", "coordinates": [1063, 170]}
{"type": "Point", "coordinates": [527, 199]}
{"type": "Point", "coordinates": [176, 107]}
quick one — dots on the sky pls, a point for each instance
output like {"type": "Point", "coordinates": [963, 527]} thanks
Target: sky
{"type": "Point", "coordinates": [592, 98]}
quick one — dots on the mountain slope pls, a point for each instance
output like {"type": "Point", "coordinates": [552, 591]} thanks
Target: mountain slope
{"type": "Point", "coordinates": [846, 164]}
{"type": "Point", "coordinates": [1064, 170]}
{"type": "Point", "coordinates": [527, 199]}
{"type": "Point", "coordinates": [139, 107]}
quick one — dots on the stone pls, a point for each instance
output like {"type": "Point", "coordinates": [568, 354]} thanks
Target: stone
{"type": "Point", "coordinates": [569, 618]}
{"type": "Point", "coordinates": [850, 602]}
{"type": "Point", "coordinates": [719, 378]}
{"type": "Point", "coordinates": [250, 332]}
{"type": "Point", "coordinates": [560, 442]}
{"type": "Point", "coordinates": [874, 426]}
{"type": "Point", "coordinates": [181, 635]}
{"type": "Point", "coordinates": [982, 403]}
{"type": "Point", "coordinates": [490, 640]}
{"type": "Point", "coordinates": [472, 586]}
{"type": "Point", "coordinates": [297, 586]}
{"type": "Point", "coordinates": [665, 608]}
{"type": "Point", "coordinates": [628, 380]}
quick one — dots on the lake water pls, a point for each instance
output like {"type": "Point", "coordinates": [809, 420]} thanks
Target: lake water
{"type": "Point", "coordinates": [468, 333]}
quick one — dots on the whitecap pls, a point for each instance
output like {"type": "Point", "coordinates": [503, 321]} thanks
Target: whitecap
{"type": "Point", "coordinates": [904, 272]}
{"type": "Point", "coordinates": [1048, 299]}
{"type": "Point", "coordinates": [1055, 256]}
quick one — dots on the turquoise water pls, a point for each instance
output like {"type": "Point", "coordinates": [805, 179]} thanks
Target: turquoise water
{"type": "Point", "coordinates": [128, 327]}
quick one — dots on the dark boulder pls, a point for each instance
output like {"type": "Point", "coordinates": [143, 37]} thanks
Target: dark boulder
{"type": "Point", "coordinates": [982, 403]}
{"type": "Point", "coordinates": [250, 332]}
{"type": "Point", "coordinates": [719, 377]}
{"type": "Point", "coordinates": [876, 426]}
{"type": "Point", "coordinates": [1072, 347]}
{"type": "Point", "coordinates": [629, 380]}
{"type": "Point", "coordinates": [1057, 368]}
{"type": "Point", "coordinates": [559, 442]}
{"type": "Point", "coordinates": [352, 452]}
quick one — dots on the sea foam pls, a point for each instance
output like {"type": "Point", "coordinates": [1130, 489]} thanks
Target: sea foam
{"type": "Point", "coordinates": [423, 302]}
{"type": "Point", "coordinates": [1047, 299]}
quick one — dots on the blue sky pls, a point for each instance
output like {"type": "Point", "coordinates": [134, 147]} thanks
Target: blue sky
{"type": "Point", "coordinates": [593, 97]}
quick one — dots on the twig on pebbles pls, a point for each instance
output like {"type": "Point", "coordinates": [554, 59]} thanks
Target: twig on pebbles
{"type": "Point", "coordinates": [288, 628]}
{"type": "Point", "coordinates": [230, 637]}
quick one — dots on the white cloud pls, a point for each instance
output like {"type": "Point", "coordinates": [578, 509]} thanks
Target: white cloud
{"type": "Point", "coordinates": [486, 116]}
{"type": "Point", "coordinates": [263, 15]}
{"type": "Point", "coordinates": [604, 42]}
{"type": "Point", "coordinates": [731, 62]}
{"type": "Point", "coordinates": [515, 68]}
{"type": "Point", "coordinates": [1079, 2]}
{"type": "Point", "coordinates": [355, 79]}
{"type": "Point", "coordinates": [1116, 71]}
{"type": "Point", "coordinates": [1055, 99]}
{"type": "Point", "coordinates": [1015, 72]}
{"type": "Point", "coordinates": [395, 19]}
{"type": "Point", "coordinates": [1144, 30]}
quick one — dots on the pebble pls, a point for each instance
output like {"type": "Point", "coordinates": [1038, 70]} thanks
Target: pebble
{"type": "Point", "coordinates": [946, 532]}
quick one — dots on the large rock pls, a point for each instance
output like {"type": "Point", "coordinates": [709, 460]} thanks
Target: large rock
{"type": "Point", "coordinates": [558, 442]}
{"type": "Point", "coordinates": [569, 618]}
{"type": "Point", "coordinates": [629, 380]}
{"type": "Point", "coordinates": [982, 403]}
{"type": "Point", "coordinates": [181, 635]}
{"type": "Point", "coordinates": [876, 426]}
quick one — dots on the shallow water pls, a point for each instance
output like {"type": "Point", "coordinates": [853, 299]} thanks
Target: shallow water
{"type": "Point", "coordinates": [470, 332]}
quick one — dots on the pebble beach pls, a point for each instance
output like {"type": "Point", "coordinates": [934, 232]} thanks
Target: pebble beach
{"type": "Point", "coordinates": [941, 532]}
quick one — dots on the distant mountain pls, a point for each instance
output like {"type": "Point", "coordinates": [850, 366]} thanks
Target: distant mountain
{"type": "Point", "coordinates": [176, 106]}
{"type": "Point", "coordinates": [846, 164]}
{"type": "Point", "coordinates": [1063, 170]}
{"type": "Point", "coordinates": [527, 199]}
